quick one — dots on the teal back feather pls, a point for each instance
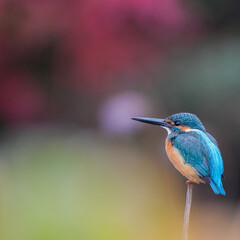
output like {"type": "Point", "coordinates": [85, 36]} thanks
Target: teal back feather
{"type": "Point", "coordinates": [215, 161]}
{"type": "Point", "coordinates": [201, 151]}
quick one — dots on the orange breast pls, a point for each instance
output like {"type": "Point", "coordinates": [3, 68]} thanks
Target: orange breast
{"type": "Point", "coordinates": [184, 168]}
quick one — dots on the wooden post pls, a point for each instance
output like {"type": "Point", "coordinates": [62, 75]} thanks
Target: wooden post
{"type": "Point", "coordinates": [187, 210]}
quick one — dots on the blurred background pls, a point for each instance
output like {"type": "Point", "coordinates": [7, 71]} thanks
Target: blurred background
{"type": "Point", "coordinates": [72, 74]}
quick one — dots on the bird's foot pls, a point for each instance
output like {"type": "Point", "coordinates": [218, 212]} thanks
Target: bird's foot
{"type": "Point", "coordinates": [188, 182]}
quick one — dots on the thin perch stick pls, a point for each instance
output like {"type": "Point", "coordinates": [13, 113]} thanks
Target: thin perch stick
{"type": "Point", "coordinates": [187, 211]}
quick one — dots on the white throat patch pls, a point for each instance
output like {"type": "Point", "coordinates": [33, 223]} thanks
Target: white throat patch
{"type": "Point", "coordinates": [192, 130]}
{"type": "Point", "coordinates": [168, 130]}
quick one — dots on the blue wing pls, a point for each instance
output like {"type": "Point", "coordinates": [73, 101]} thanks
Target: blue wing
{"type": "Point", "coordinates": [201, 151]}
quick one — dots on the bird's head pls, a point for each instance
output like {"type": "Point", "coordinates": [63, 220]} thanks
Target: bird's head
{"type": "Point", "coordinates": [176, 122]}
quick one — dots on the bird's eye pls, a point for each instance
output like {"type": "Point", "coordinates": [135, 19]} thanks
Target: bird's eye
{"type": "Point", "coordinates": [177, 123]}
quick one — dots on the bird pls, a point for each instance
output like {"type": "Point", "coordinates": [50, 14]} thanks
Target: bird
{"type": "Point", "coordinates": [191, 149]}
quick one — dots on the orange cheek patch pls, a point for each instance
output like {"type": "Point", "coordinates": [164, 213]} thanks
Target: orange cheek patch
{"type": "Point", "coordinates": [184, 128]}
{"type": "Point", "coordinates": [168, 121]}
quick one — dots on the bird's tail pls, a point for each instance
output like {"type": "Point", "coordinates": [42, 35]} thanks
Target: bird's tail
{"type": "Point", "coordinates": [217, 188]}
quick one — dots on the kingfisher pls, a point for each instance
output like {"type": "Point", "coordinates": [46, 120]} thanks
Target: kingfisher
{"type": "Point", "coordinates": [192, 150]}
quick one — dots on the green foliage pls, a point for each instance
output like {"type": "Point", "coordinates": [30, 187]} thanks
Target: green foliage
{"type": "Point", "coordinates": [75, 187]}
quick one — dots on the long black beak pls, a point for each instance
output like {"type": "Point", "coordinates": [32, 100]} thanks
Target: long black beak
{"type": "Point", "coordinates": [154, 121]}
